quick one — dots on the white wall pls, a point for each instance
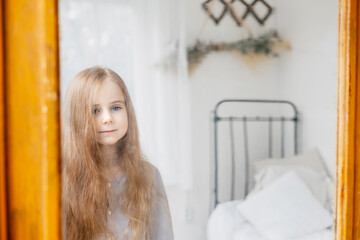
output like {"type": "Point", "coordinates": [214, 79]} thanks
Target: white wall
{"type": "Point", "coordinates": [306, 75]}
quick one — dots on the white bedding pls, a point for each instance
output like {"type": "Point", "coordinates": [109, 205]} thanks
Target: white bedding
{"type": "Point", "coordinates": [226, 223]}
{"type": "Point", "coordinates": [235, 220]}
{"type": "Point", "coordinates": [248, 232]}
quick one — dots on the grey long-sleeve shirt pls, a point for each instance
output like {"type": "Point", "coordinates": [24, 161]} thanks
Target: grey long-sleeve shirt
{"type": "Point", "coordinates": [118, 222]}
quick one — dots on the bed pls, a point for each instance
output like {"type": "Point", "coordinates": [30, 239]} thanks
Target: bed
{"type": "Point", "coordinates": [283, 195]}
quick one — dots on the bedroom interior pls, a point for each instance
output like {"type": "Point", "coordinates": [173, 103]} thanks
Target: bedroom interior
{"type": "Point", "coordinates": [226, 177]}
{"type": "Point", "coordinates": [304, 75]}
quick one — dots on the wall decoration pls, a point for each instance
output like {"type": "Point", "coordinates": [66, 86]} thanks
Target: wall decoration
{"type": "Point", "coordinates": [228, 6]}
{"type": "Point", "coordinates": [251, 49]}
{"type": "Point", "coordinates": [207, 6]}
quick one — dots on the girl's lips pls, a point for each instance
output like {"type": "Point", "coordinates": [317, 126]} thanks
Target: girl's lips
{"type": "Point", "coordinates": [110, 131]}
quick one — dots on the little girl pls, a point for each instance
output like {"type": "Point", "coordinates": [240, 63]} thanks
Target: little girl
{"type": "Point", "coordinates": [109, 190]}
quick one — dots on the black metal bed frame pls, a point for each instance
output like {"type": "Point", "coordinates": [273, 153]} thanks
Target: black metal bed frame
{"type": "Point", "coordinates": [246, 119]}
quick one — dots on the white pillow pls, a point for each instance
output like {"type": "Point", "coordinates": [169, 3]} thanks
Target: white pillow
{"type": "Point", "coordinates": [223, 221]}
{"type": "Point", "coordinates": [311, 160]}
{"type": "Point", "coordinates": [315, 182]}
{"type": "Point", "coordinates": [246, 231]}
{"type": "Point", "coordinates": [285, 209]}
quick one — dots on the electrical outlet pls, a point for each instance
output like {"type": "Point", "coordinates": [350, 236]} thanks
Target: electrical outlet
{"type": "Point", "coordinates": [188, 213]}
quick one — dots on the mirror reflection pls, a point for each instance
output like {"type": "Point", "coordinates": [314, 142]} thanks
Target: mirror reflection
{"type": "Point", "coordinates": [260, 165]}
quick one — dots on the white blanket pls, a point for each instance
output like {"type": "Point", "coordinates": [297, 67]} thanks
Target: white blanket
{"type": "Point", "coordinates": [226, 223]}
{"type": "Point", "coordinates": [298, 181]}
{"type": "Point", "coordinates": [247, 232]}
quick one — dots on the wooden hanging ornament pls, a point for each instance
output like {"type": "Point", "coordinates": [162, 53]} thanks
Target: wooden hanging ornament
{"type": "Point", "coordinates": [207, 6]}
{"type": "Point", "coordinates": [250, 49]}
{"type": "Point", "coordinates": [250, 10]}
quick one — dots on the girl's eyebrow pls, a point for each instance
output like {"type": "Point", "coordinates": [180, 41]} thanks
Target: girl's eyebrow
{"type": "Point", "coordinates": [120, 101]}
{"type": "Point", "coordinates": [116, 101]}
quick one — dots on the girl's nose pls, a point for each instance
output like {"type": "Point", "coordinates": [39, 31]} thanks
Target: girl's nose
{"type": "Point", "coordinates": [107, 118]}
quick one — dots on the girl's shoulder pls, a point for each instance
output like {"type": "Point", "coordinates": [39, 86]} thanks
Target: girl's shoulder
{"type": "Point", "coordinates": [158, 182]}
{"type": "Point", "coordinates": [153, 169]}
{"type": "Point", "coordinates": [146, 164]}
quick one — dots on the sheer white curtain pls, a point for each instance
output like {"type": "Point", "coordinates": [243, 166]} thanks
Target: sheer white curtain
{"type": "Point", "coordinates": [144, 41]}
{"type": "Point", "coordinates": [161, 88]}
{"type": "Point", "coordinates": [92, 33]}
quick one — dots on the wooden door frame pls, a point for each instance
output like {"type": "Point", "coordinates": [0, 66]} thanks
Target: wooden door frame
{"type": "Point", "coordinates": [347, 221]}
{"type": "Point", "coordinates": [32, 107]}
{"type": "Point", "coordinates": [347, 214]}
{"type": "Point", "coordinates": [3, 210]}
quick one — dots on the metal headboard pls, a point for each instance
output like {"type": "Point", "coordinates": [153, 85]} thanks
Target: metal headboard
{"type": "Point", "coordinates": [246, 119]}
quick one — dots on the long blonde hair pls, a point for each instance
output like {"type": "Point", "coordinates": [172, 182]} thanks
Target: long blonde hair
{"type": "Point", "coordinates": [84, 193]}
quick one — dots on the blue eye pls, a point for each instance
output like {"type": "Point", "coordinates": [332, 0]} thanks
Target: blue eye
{"type": "Point", "coordinates": [116, 108]}
{"type": "Point", "coordinates": [95, 111]}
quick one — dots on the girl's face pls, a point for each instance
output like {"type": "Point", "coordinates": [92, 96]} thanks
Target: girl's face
{"type": "Point", "coordinates": [110, 113]}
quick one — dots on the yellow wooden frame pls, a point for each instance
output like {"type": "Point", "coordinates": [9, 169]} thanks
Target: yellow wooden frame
{"type": "Point", "coordinates": [32, 118]}
{"type": "Point", "coordinates": [32, 121]}
{"type": "Point", "coordinates": [348, 129]}
{"type": "Point", "coordinates": [3, 211]}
